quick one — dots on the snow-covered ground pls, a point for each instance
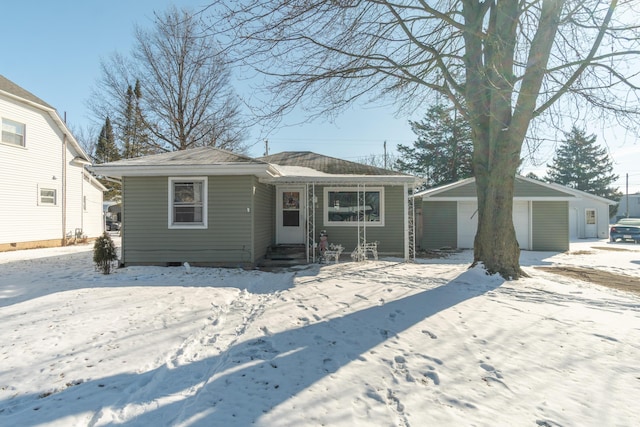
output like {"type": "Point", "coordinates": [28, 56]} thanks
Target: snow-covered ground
{"type": "Point", "coordinates": [381, 343]}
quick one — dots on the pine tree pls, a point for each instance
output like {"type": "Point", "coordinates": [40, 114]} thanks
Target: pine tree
{"type": "Point", "coordinates": [127, 127]}
{"type": "Point", "coordinates": [443, 152]}
{"type": "Point", "coordinates": [106, 148]}
{"type": "Point", "coordinates": [107, 151]}
{"type": "Point", "coordinates": [135, 140]}
{"type": "Point", "coordinates": [583, 165]}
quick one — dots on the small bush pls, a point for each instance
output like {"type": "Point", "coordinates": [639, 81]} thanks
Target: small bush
{"type": "Point", "coordinates": [104, 253]}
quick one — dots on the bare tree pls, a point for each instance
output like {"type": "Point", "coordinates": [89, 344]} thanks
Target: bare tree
{"type": "Point", "coordinates": [183, 92]}
{"type": "Point", "coordinates": [503, 63]}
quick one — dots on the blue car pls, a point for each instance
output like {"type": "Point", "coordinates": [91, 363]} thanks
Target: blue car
{"type": "Point", "coordinates": [626, 229]}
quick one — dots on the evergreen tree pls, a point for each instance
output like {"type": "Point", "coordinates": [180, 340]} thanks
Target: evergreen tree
{"type": "Point", "coordinates": [443, 152]}
{"type": "Point", "coordinates": [135, 141]}
{"type": "Point", "coordinates": [106, 148]}
{"type": "Point", "coordinates": [107, 151]}
{"type": "Point", "coordinates": [581, 164]}
{"type": "Point", "coordinates": [105, 254]}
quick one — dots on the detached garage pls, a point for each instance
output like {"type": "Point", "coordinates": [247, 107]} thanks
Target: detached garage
{"type": "Point", "coordinates": [540, 215]}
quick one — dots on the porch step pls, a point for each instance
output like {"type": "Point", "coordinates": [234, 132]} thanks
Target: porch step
{"type": "Point", "coordinates": [284, 255]}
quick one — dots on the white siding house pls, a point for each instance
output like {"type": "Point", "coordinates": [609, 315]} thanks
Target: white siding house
{"type": "Point", "coordinates": [629, 207]}
{"type": "Point", "coordinates": [46, 194]}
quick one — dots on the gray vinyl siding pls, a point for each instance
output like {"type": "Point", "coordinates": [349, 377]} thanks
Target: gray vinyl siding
{"type": "Point", "coordinates": [390, 237]}
{"type": "Point", "coordinates": [530, 189]}
{"type": "Point", "coordinates": [147, 238]}
{"type": "Point", "coordinates": [440, 225]}
{"type": "Point", "coordinates": [550, 226]}
{"type": "Point", "coordinates": [263, 218]}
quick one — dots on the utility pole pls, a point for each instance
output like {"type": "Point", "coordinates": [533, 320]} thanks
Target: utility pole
{"type": "Point", "coordinates": [266, 147]}
{"type": "Point", "coordinates": [627, 213]}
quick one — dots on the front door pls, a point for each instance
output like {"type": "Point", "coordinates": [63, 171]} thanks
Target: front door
{"type": "Point", "coordinates": [290, 215]}
{"type": "Point", "coordinates": [590, 223]}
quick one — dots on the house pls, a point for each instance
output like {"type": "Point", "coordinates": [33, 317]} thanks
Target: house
{"type": "Point", "coordinates": [629, 207]}
{"type": "Point", "coordinates": [213, 207]}
{"type": "Point", "coordinates": [545, 216]}
{"type": "Point", "coordinates": [46, 194]}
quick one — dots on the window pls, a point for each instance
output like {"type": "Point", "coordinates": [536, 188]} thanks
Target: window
{"type": "Point", "coordinates": [590, 216]}
{"type": "Point", "coordinates": [47, 196]}
{"type": "Point", "coordinates": [187, 202]}
{"type": "Point", "coordinates": [344, 206]}
{"type": "Point", "coordinates": [12, 132]}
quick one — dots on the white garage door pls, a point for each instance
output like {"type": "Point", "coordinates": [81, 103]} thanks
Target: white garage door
{"type": "Point", "coordinates": [468, 223]}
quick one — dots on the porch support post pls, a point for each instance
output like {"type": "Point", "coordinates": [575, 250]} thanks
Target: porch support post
{"type": "Point", "coordinates": [311, 222]}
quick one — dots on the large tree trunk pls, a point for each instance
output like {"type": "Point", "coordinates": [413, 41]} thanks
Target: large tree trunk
{"type": "Point", "coordinates": [495, 243]}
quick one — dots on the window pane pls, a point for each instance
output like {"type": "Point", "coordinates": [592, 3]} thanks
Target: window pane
{"type": "Point", "coordinates": [47, 196]}
{"type": "Point", "coordinates": [290, 200]}
{"type": "Point", "coordinates": [12, 132]}
{"type": "Point", "coordinates": [188, 202]}
{"type": "Point", "coordinates": [290, 218]}
{"type": "Point", "coordinates": [344, 206]}
{"type": "Point", "coordinates": [183, 192]}
{"type": "Point", "coordinates": [187, 214]}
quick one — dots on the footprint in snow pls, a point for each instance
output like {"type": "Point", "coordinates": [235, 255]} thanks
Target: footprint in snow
{"type": "Point", "coordinates": [430, 334]}
{"type": "Point", "coordinates": [433, 376]}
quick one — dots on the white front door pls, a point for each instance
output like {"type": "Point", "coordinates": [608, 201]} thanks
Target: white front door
{"type": "Point", "coordinates": [590, 223]}
{"type": "Point", "coordinates": [290, 215]}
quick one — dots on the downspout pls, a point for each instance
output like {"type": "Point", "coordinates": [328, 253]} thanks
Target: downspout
{"type": "Point", "coordinates": [82, 201]}
{"type": "Point", "coordinates": [64, 190]}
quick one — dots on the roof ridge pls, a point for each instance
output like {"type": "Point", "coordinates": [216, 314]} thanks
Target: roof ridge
{"type": "Point", "coordinates": [16, 90]}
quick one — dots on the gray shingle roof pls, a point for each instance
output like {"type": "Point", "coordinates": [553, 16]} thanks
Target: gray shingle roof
{"type": "Point", "coordinates": [326, 164]}
{"type": "Point", "coordinates": [8, 86]}
{"type": "Point", "coordinates": [201, 156]}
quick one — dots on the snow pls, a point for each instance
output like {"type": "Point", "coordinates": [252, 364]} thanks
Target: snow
{"type": "Point", "coordinates": [377, 343]}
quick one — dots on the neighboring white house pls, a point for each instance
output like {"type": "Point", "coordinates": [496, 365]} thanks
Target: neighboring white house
{"type": "Point", "coordinates": [46, 194]}
{"type": "Point", "coordinates": [629, 207]}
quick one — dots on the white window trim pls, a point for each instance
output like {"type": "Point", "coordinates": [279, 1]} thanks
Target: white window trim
{"type": "Point", "coordinates": [55, 195]}
{"type": "Point", "coordinates": [326, 208]}
{"type": "Point", "coordinates": [205, 190]}
{"type": "Point", "coordinates": [23, 134]}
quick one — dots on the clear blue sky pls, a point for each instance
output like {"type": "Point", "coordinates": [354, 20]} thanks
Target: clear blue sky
{"type": "Point", "coordinates": [54, 48]}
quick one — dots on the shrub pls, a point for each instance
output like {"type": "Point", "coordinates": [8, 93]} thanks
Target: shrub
{"type": "Point", "coordinates": [104, 253]}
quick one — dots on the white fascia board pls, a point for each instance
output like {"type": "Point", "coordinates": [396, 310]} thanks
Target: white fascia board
{"type": "Point", "coordinates": [184, 170]}
{"type": "Point", "coordinates": [442, 188]}
{"type": "Point", "coordinates": [473, 199]}
{"type": "Point", "coordinates": [92, 179]}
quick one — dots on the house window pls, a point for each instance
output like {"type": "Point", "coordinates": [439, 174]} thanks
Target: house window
{"type": "Point", "coordinates": [12, 132]}
{"type": "Point", "coordinates": [188, 202]}
{"type": "Point", "coordinates": [47, 196]}
{"type": "Point", "coordinates": [344, 206]}
{"type": "Point", "coordinates": [590, 216]}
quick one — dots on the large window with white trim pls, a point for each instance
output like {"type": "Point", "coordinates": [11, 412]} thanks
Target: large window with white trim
{"type": "Point", "coordinates": [188, 202]}
{"type": "Point", "coordinates": [13, 132]}
{"type": "Point", "coordinates": [344, 206]}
